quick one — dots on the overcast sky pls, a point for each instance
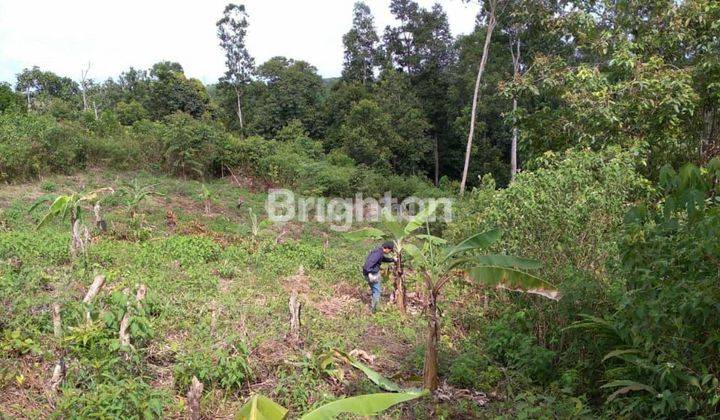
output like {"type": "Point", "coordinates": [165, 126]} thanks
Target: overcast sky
{"type": "Point", "coordinates": [62, 36]}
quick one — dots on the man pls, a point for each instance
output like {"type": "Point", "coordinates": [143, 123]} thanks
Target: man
{"type": "Point", "coordinates": [371, 270]}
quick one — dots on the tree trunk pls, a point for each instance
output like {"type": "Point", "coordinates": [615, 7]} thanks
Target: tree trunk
{"type": "Point", "coordinates": [437, 163]}
{"type": "Point", "coordinates": [513, 145]}
{"type": "Point", "coordinates": [239, 110]}
{"type": "Point", "coordinates": [481, 69]}
{"type": "Point", "coordinates": [399, 280]}
{"type": "Point", "coordinates": [430, 367]}
{"type": "Point", "coordinates": [516, 74]}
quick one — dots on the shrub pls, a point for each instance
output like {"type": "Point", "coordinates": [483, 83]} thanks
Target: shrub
{"type": "Point", "coordinates": [192, 147]}
{"type": "Point", "coordinates": [222, 368]}
{"type": "Point", "coordinates": [661, 351]}
{"type": "Point", "coordinates": [31, 145]}
{"type": "Point", "coordinates": [121, 398]}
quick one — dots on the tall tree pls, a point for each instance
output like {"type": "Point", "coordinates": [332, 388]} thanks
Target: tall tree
{"type": "Point", "coordinates": [362, 53]}
{"type": "Point", "coordinates": [491, 21]}
{"type": "Point", "coordinates": [422, 47]}
{"type": "Point", "coordinates": [232, 30]}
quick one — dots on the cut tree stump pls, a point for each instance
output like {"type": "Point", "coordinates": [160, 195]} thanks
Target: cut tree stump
{"type": "Point", "coordinates": [95, 287]}
{"type": "Point", "coordinates": [193, 399]}
{"type": "Point", "coordinates": [59, 369]}
{"type": "Point", "coordinates": [125, 322]}
{"type": "Point", "coordinates": [294, 306]}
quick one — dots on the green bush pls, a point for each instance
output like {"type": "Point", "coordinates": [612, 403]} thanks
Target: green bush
{"type": "Point", "coordinates": [192, 147]}
{"type": "Point", "coordinates": [510, 343]}
{"type": "Point", "coordinates": [661, 349]}
{"type": "Point", "coordinates": [121, 398]}
{"type": "Point", "coordinates": [32, 145]}
{"type": "Point", "coordinates": [222, 368]}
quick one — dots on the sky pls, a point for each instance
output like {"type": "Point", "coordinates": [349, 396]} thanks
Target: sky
{"type": "Point", "coordinates": [64, 36]}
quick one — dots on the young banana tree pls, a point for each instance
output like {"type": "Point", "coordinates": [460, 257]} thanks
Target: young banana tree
{"type": "Point", "coordinates": [63, 206]}
{"type": "Point", "coordinates": [71, 206]}
{"type": "Point", "coordinates": [400, 234]}
{"type": "Point", "coordinates": [440, 263]}
{"type": "Point", "coordinates": [134, 193]}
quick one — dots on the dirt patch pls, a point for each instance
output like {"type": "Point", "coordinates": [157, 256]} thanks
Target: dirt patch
{"type": "Point", "coordinates": [336, 305]}
{"type": "Point", "coordinates": [375, 338]}
{"type": "Point", "coordinates": [267, 357]}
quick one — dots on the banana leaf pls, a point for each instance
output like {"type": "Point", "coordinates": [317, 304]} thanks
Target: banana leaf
{"type": "Point", "coordinates": [511, 279]}
{"type": "Point", "coordinates": [480, 240]}
{"type": "Point", "coordinates": [363, 405]}
{"type": "Point", "coordinates": [261, 408]}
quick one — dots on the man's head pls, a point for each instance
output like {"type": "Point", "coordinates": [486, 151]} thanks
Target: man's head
{"type": "Point", "coordinates": [388, 247]}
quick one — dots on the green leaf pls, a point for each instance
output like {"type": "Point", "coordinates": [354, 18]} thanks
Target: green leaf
{"type": "Point", "coordinates": [378, 379]}
{"type": "Point", "coordinates": [392, 225]}
{"type": "Point", "coordinates": [412, 250]}
{"type": "Point", "coordinates": [508, 261]}
{"type": "Point", "coordinates": [42, 200]}
{"type": "Point", "coordinates": [620, 353]}
{"type": "Point", "coordinates": [480, 240]}
{"type": "Point", "coordinates": [432, 239]}
{"type": "Point", "coordinates": [365, 233]}
{"type": "Point", "coordinates": [261, 408]}
{"type": "Point", "coordinates": [420, 218]}
{"type": "Point", "coordinates": [363, 405]}
{"type": "Point", "coordinates": [627, 386]}
{"type": "Point", "coordinates": [511, 279]}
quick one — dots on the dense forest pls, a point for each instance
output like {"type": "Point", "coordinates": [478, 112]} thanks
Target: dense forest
{"type": "Point", "coordinates": [579, 139]}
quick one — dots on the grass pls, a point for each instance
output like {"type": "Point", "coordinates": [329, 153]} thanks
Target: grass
{"type": "Point", "coordinates": [216, 308]}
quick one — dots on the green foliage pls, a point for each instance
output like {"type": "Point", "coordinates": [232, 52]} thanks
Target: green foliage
{"type": "Point", "coordinates": [129, 113]}
{"type": "Point", "coordinates": [31, 145]}
{"type": "Point", "coordinates": [10, 101]}
{"type": "Point", "coordinates": [224, 368]}
{"type": "Point", "coordinates": [191, 146]}
{"type": "Point", "coordinates": [126, 398]}
{"type": "Point", "coordinates": [660, 352]}
{"type": "Point", "coordinates": [509, 343]}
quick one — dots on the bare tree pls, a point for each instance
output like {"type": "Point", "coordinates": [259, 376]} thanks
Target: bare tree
{"type": "Point", "coordinates": [83, 86]}
{"type": "Point", "coordinates": [491, 23]}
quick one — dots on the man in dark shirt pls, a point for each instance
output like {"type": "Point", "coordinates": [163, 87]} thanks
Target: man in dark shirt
{"type": "Point", "coordinates": [371, 270]}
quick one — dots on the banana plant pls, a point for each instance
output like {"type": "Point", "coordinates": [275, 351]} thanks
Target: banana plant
{"type": "Point", "coordinates": [62, 206]}
{"type": "Point", "coordinates": [439, 263]}
{"type": "Point", "coordinates": [134, 194]}
{"type": "Point", "coordinates": [400, 234]}
{"type": "Point", "coordinates": [71, 205]}
{"type": "Point", "coordinates": [207, 197]}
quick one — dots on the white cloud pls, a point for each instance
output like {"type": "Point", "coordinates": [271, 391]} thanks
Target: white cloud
{"type": "Point", "coordinates": [62, 36]}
